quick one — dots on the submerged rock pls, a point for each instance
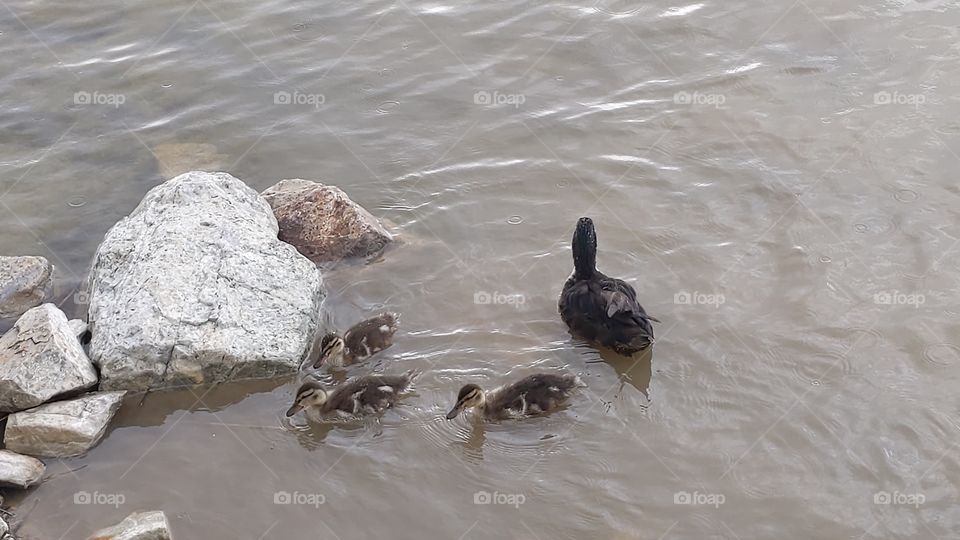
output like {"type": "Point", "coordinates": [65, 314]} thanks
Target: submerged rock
{"type": "Point", "coordinates": [41, 358]}
{"type": "Point", "coordinates": [323, 223]}
{"type": "Point", "coordinates": [18, 470]}
{"type": "Point", "coordinates": [63, 428]}
{"type": "Point", "coordinates": [25, 282]}
{"type": "Point", "coordinates": [175, 159]}
{"type": "Point", "coordinates": [195, 287]}
{"type": "Point", "coordinates": [137, 526]}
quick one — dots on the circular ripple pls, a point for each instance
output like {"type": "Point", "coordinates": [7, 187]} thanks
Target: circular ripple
{"type": "Point", "coordinates": [875, 225]}
{"type": "Point", "coordinates": [166, 84]}
{"type": "Point", "coordinates": [825, 259]}
{"type": "Point", "coordinates": [515, 220]}
{"type": "Point", "coordinates": [619, 8]}
{"type": "Point", "coordinates": [77, 203]}
{"type": "Point", "coordinates": [906, 195]}
{"type": "Point", "coordinates": [387, 106]}
{"type": "Point", "coordinates": [942, 354]}
{"type": "Point", "coordinates": [306, 31]}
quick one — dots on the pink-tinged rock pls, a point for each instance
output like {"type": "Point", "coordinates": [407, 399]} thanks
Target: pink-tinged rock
{"type": "Point", "coordinates": [323, 223]}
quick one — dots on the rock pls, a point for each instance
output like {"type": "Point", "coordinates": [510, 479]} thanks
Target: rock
{"type": "Point", "coordinates": [78, 327]}
{"type": "Point", "coordinates": [323, 223]}
{"type": "Point", "coordinates": [137, 526]}
{"type": "Point", "coordinates": [18, 470]}
{"type": "Point", "coordinates": [41, 358]}
{"type": "Point", "coordinates": [177, 158]}
{"type": "Point", "coordinates": [25, 282]}
{"type": "Point", "coordinates": [195, 287]}
{"type": "Point", "coordinates": [63, 428]}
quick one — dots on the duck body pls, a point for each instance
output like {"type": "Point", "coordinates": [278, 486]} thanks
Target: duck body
{"type": "Point", "coordinates": [531, 395]}
{"type": "Point", "coordinates": [361, 341]}
{"type": "Point", "coordinates": [598, 308]}
{"type": "Point", "coordinates": [368, 394]}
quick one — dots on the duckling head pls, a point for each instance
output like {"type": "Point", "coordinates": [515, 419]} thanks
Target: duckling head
{"type": "Point", "coordinates": [585, 247]}
{"type": "Point", "coordinates": [310, 394]}
{"type": "Point", "coordinates": [470, 395]}
{"type": "Point", "coordinates": [332, 348]}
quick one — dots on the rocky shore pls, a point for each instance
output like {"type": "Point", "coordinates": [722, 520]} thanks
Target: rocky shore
{"type": "Point", "coordinates": [205, 282]}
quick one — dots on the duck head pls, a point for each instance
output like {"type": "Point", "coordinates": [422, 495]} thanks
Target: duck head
{"type": "Point", "coordinates": [585, 248]}
{"type": "Point", "coordinates": [470, 395]}
{"type": "Point", "coordinates": [310, 394]}
{"type": "Point", "coordinates": [332, 349]}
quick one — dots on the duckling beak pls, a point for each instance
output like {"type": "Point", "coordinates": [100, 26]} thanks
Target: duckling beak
{"type": "Point", "coordinates": [319, 362]}
{"type": "Point", "coordinates": [294, 409]}
{"type": "Point", "coordinates": [457, 409]}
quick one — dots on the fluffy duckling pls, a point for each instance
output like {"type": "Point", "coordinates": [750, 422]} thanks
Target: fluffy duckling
{"type": "Point", "coordinates": [598, 308]}
{"type": "Point", "coordinates": [361, 395]}
{"type": "Point", "coordinates": [534, 394]}
{"type": "Point", "coordinates": [360, 342]}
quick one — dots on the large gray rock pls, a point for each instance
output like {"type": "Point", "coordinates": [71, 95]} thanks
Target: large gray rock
{"type": "Point", "coordinates": [137, 526]}
{"type": "Point", "coordinates": [41, 358]}
{"type": "Point", "coordinates": [63, 428]}
{"type": "Point", "coordinates": [18, 470]}
{"type": "Point", "coordinates": [323, 223]}
{"type": "Point", "coordinates": [25, 282]}
{"type": "Point", "coordinates": [195, 287]}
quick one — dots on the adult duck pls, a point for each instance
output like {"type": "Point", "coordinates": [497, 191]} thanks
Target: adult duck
{"type": "Point", "coordinates": [601, 309]}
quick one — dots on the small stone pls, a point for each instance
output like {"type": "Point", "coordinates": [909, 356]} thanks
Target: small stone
{"type": "Point", "coordinates": [323, 223]}
{"type": "Point", "coordinates": [41, 358]}
{"type": "Point", "coordinates": [63, 428]}
{"type": "Point", "coordinates": [137, 526]}
{"type": "Point", "coordinates": [18, 470]}
{"type": "Point", "coordinates": [25, 282]}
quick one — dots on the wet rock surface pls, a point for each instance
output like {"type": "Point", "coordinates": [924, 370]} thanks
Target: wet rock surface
{"type": "Point", "coordinates": [25, 282]}
{"type": "Point", "coordinates": [63, 428]}
{"type": "Point", "coordinates": [194, 287]}
{"type": "Point", "coordinates": [41, 358]}
{"type": "Point", "coordinates": [137, 526]}
{"type": "Point", "coordinates": [20, 471]}
{"type": "Point", "coordinates": [323, 223]}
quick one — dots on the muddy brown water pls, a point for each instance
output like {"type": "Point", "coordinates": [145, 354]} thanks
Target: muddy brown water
{"type": "Point", "coordinates": [777, 179]}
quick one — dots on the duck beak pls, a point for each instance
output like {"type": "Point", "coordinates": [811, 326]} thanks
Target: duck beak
{"type": "Point", "coordinates": [294, 409]}
{"type": "Point", "coordinates": [457, 409]}
{"type": "Point", "coordinates": [319, 362]}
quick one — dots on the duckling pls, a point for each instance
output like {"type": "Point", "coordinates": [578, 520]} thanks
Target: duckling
{"type": "Point", "coordinates": [360, 342]}
{"type": "Point", "coordinates": [534, 394]}
{"type": "Point", "coordinates": [598, 308]}
{"type": "Point", "coordinates": [361, 395]}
